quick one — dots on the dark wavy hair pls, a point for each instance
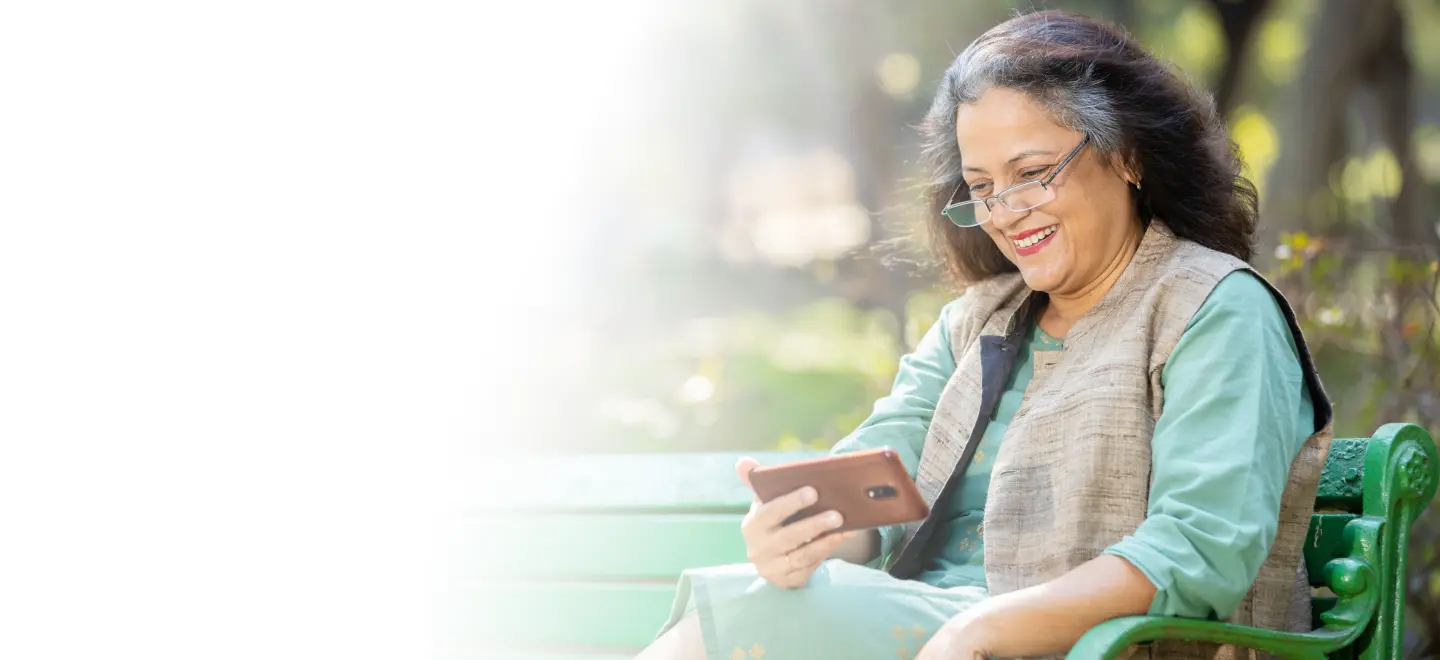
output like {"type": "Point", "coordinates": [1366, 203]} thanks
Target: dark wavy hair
{"type": "Point", "coordinates": [1092, 77]}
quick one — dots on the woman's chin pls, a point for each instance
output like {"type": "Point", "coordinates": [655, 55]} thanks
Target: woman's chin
{"type": "Point", "coordinates": [1040, 278]}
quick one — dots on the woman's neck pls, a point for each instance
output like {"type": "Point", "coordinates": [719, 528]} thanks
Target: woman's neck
{"type": "Point", "coordinates": [1064, 309]}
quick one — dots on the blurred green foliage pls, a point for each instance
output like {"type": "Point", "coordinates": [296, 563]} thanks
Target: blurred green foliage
{"type": "Point", "coordinates": [803, 379]}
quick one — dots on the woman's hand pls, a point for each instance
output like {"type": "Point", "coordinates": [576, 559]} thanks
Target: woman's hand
{"type": "Point", "coordinates": [786, 555]}
{"type": "Point", "coordinates": [958, 639]}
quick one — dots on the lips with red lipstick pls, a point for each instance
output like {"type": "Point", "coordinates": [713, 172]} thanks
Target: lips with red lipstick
{"type": "Point", "coordinates": [1031, 241]}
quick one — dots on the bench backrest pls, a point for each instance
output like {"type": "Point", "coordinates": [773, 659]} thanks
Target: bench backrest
{"type": "Point", "coordinates": [578, 556]}
{"type": "Point", "coordinates": [585, 563]}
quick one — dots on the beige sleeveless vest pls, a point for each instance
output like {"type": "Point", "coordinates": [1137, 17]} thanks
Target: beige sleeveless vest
{"type": "Point", "coordinates": [1072, 476]}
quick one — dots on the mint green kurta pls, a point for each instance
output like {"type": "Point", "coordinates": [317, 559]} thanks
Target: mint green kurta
{"type": "Point", "coordinates": [1235, 415]}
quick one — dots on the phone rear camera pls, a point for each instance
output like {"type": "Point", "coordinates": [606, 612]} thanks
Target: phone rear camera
{"type": "Point", "coordinates": [880, 492]}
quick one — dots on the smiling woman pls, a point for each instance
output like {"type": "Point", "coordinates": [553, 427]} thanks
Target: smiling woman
{"type": "Point", "coordinates": [1116, 417]}
{"type": "Point", "coordinates": [1145, 127]}
{"type": "Point", "coordinates": [1068, 245]}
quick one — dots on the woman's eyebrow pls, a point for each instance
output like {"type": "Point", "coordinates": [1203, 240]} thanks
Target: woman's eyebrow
{"type": "Point", "coordinates": [1018, 157]}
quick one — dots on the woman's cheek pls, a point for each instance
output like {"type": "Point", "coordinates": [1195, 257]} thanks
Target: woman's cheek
{"type": "Point", "coordinates": [1001, 242]}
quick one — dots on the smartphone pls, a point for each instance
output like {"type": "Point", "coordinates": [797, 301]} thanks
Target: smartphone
{"type": "Point", "coordinates": [870, 488]}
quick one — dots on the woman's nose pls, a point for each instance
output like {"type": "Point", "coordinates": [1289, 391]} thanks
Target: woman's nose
{"type": "Point", "coordinates": [1002, 217]}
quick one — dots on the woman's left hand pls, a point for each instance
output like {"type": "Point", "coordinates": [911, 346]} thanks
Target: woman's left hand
{"type": "Point", "coordinates": [958, 639]}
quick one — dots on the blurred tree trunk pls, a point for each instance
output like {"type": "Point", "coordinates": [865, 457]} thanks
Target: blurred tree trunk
{"type": "Point", "coordinates": [1390, 75]}
{"type": "Point", "coordinates": [872, 147]}
{"type": "Point", "coordinates": [863, 126]}
{"type": "Point", "coordinates": [1311, 136]}
{"type": "Point", "coordinates": [1238, 19]}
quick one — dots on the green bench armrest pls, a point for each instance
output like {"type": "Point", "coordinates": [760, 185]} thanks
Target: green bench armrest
{"type": "Point", "coordinates": [1108, 640]}
{"type": "Point", "coordinates": [1400, 470]}
{"type": "Point", "coordinates": [1352, 578]}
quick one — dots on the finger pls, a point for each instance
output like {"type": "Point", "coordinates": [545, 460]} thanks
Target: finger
{"type": "Point", "coordinates": [800, 559]}
{"type": "Point", "coordinates": [792, 561]}
{"type": "Point", "coordinates": [786, 575]}
{"type": "Point", "coordinates": [773, 514]}
{"type": "Point", "coordinates": [811, 555]}
{"type": "Point", "coordinates": [831, 543]}
{"type": "Point", "coordinates": [743, 468]}
{"type": "Point", "coordinates": [803, 563]}
{"type": "Point", "coordinates": [801, 532]}
{"type": "Point", "coordinates": [808, 557]}
{"type": "Point", "coordinates": [776, 570]}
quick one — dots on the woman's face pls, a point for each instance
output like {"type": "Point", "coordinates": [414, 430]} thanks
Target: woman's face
{"type": "Point", "coordinates": [1006, 138]}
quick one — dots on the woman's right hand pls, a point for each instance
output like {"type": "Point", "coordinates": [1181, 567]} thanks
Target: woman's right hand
{"type": "Point", "coordinates": [786, 555]}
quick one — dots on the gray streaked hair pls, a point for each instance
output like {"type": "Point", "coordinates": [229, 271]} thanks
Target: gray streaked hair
{"type": "Point", "coordinates": [1093, 78]}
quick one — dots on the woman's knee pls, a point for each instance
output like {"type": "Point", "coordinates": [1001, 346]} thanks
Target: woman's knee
{"type": "Point", "coordinates": [681, 642]}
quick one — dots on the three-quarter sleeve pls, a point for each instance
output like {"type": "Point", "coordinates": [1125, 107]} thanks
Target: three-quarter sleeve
{"type": "Point", "coordinates": [1236, 412]}
{"type": "Point", "coordinates": [901, 419]}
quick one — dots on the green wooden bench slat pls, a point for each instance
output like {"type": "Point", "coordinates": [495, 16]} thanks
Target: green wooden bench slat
{"type": "Point", "coordinates": [1325, 542]}
{"type": "Point", "coordinates": [680, 482]}
{"type": "Point", "coordinates": [603, 616]}
{"type": "Point", "coordinates": [651, 546]}
{"type": "Point", "coordinates": [1342, 479]}
{"type": "Point", "coordinates": [642, 482]}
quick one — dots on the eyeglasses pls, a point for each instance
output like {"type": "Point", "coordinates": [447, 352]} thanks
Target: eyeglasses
{"type": "Point", "coordinates": [1018, 198]}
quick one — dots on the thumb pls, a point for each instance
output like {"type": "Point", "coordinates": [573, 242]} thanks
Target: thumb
{"type": "Point", "coordinates": [743, 468]}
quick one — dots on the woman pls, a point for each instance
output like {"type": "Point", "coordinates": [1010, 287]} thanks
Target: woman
{"type": "Point", "coordinates": [1117, 417]}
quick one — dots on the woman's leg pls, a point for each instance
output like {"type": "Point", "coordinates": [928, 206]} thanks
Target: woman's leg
{"type": "Point", "coordinates": [680, 642]}
{"type": "Point", "coordinates": [845, 611]}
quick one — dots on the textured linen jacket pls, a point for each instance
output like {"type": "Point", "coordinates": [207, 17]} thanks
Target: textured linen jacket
{"type": "Point", "coordinates": [1072, 476]}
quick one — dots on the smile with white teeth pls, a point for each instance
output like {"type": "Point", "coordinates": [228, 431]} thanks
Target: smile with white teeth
{"type": "Point", "coordinates": [1035, 238]}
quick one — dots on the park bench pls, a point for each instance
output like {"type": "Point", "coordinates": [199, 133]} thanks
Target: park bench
{"type": "Point", "coordinates": [583, 565]}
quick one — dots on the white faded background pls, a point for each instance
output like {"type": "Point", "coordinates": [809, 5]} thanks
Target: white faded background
{"type": "Point", "coordinates": [260, 302]}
